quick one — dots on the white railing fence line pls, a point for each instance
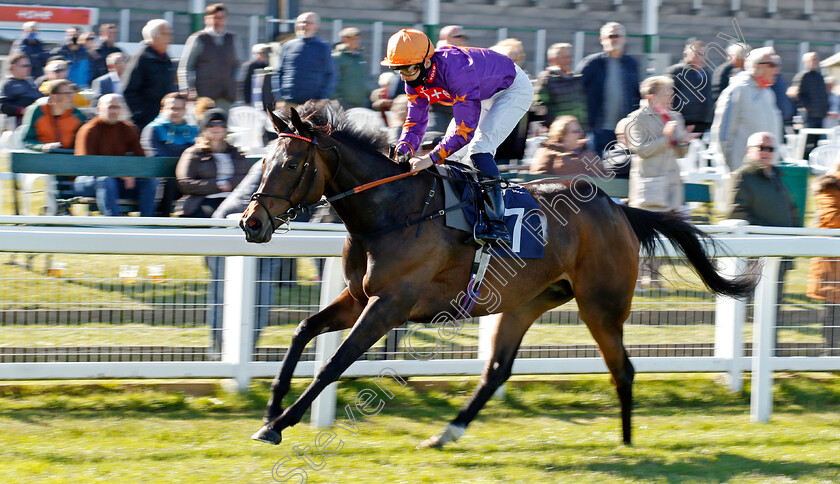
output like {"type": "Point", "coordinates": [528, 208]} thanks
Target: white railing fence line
{"type": "Point", "coordinates": [161, 236]}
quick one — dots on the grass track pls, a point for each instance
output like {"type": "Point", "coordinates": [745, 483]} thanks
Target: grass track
{"type": "Point", "coordinates": [687, 429]}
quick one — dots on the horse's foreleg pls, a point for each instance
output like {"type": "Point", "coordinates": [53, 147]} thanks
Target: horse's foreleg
{"type": "Point", "coordinates": [379, 316]}
{"type": "Point", "coordinates": [341, 314]}
{"type": "Point", "coordinates": [507, 336]}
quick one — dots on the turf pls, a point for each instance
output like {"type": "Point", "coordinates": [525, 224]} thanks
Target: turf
{"type": "Point", "coordinates": [688, 428]}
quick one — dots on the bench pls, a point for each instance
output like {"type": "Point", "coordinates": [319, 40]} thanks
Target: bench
{"type": "Point", "coordinates": [64, 165]}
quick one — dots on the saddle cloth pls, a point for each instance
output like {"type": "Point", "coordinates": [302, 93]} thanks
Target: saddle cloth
{"type": "Point", "coordinates": [525, 222]}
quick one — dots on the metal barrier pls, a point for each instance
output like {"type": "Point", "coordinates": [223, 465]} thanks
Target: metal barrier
{"type": "Point", "coordinates": [713, 339]}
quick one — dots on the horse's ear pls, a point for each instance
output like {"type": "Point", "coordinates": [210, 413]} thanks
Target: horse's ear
{"type": "Point", "coordinates": [297, 122]}
{"type": "Point", "coordinates": [278, 123]}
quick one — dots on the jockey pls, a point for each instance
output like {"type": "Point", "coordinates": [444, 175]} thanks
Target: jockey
{"type": "Point", "coordinates": [488, 93]}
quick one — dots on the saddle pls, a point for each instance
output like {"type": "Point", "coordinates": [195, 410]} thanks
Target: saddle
{"type": "Point", "coordinates": [525, 222]}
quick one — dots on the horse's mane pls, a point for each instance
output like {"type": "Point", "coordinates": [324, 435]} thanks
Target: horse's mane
{"type": "Point", "coordinates": [327, 117]}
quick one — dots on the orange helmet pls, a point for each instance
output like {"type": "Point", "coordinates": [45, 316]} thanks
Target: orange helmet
{"type": "Point", "coordinates": [408, 47]}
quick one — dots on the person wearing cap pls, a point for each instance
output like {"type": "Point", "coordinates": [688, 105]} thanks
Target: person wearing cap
{"type": "Point", "coordinates": [210, 60]}
{"type": "Point", "coordinates": [210, 169]}
{"type": "Point", "coordinates": [747, 106]}
{"type": "Point", "coordinates": [259, 60]}
{"type": "Point", "coordinates": [305, 69]}
{"type": "Point", "coordinates": [108, 135]}
{"type": "Point", "coordinates": [488, 93]}
{"type": "Point", "coordinates": [353, 88]}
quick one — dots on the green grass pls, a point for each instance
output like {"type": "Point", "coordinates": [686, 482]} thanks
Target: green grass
{"type": "Point", "coordinates": [687, 428]}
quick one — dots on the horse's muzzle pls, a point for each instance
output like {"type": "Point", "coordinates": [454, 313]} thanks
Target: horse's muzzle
{"type": "Point", "coordinates": [257, 230]}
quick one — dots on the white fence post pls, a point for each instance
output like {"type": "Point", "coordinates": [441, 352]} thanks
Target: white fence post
{"type": "Point", "coordinates": [238, 316]}
{"type": "Point", "coordinates": [730, 315]}
{"type": "Point", "coordinates": [253, 33]}
{"type": "Point", "coordinates": [580, 40]}
{"type": "Point", "coordinates": [376, 48]}
{"type": "Point", "coordinates": [332, 283]}
{"type": "Point", "coordinates": [540, 51]}
{"type": "Point", "coordinates": [764, 327]}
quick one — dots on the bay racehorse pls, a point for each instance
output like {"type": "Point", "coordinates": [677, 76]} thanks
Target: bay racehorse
{"type": "Point", "coordinates": [396, 273]}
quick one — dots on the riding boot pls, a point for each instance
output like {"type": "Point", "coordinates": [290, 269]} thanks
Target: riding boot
{"type": "Point", "coordinates": [494, 227]}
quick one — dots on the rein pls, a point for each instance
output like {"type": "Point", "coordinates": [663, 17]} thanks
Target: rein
{"type": "Point", "coordinates": [301, 207]}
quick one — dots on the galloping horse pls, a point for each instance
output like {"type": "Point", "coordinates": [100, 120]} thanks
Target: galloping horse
{"type": "Point", "coordinates": [395, 273]}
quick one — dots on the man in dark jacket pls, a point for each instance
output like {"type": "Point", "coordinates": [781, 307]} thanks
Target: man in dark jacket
{"type": "Point", "coordinates": [560, 91]}
{"type": "Point", "coordinates": [757, 193]}
{"type": "Point", "coordinates": [29, 44]}
{"type": "Point", "coordinates": [107, 45]}
{"type": "Point", "coordinates": [17, 90]}
{"type": "Point", "coordinates": [809, 91]}
{"type": "Point", "coordinates": [150, 74]}
{"type": "Point", "coordinates": [611, 79]}
{"type": "Point", "coordinates": [720, 80]}
{"type": "Point", "coordinates": [306, 69]}
{"type": "Point", "coordinates": [259, 60]}
{"type": "Point", "coordinates": [693, 88]}
{"type": "Point", "coordinates": [73, 51]}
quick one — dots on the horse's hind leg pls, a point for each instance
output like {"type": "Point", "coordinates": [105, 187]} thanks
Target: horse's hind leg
{"type": "Point", "coordinates": [605, 322]}
{"type": "Point", "coordinates": [507, 336]}
{"type": "Point", "coordinates": [341, 314]}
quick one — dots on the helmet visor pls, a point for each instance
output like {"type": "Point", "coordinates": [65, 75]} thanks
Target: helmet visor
{"type": "Point", "coordinates": [406, 70]}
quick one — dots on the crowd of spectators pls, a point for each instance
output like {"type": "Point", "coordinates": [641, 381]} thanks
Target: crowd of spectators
{"type": "Point", "coordinates": [87, 96]}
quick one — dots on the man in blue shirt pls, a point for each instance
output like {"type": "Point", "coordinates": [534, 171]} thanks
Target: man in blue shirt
{"type": "Point", "coordinates": [306, 69]}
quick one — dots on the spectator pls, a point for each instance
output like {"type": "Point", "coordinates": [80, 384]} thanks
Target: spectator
{"type": "Point", "coordinates": [757, 193]}
{"type": "Point", "coordinates": [88, 41]}
{"type": "Point", "coordinates": [747, 106]}
{"type": "Point", "coordinates": [17, 90]}
{"type": "Point", "coordinates": [306, 70]}
{"type": "Point", "coordinates": [786, 106]}
{"type": "Point", "coordinates": [564, 153]}
{"type": "Point", "coordinates": [810, 92]}
{"type": "Point", "coordinates": [452, 35]}
{"type": "Point", "coordinates": [656, 137]}
{"type": "Point", "coordinates": [149, 74]}
{"type": "Point", "coordinates": [380, 98]}
{"type": "Point", "coordinates": [29, 44]}
{"type": "Point", "coordinates": [211, 57]}
{"type": "Point", "coordinates": [107, 135]}
{"type": "Point", "coordinates": [440, 115]}
{"type": "Point", "coordinates": [52, 126]}
{"type": "Point", "coordinates": [77, 57]}
{"type": "Point", "coordinates": [724, 72]}
{"type": "Point", "coordinates": [209, 170]}
{"type": "Point", "coordinates": [108, 34]}
{"type": "Point", "coordinates": [611, 80]}
{"type": "Point", "coordinates": [824, 275]}
{"type": "Point", "coordinates": [112, 81]}
{"type": "Point", "coordinates": [693, 88]}
{"type": "Point", "coordinates": [351, 68]}
{"type": "Point", "coordinates": [169, 135]}
{"type": "Point", "coordinates": [560, 91]}
{"type": "Point", "coordinates": [513, 147]}
{"type": "Point", "coordinates": [259, 60]}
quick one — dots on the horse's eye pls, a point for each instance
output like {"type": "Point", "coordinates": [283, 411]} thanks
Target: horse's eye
{"type": "Point", "coordinates": [292, 166]}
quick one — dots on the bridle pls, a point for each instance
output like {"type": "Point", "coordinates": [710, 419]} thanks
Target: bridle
{"type": "Point", "coordinates": [301, 207]}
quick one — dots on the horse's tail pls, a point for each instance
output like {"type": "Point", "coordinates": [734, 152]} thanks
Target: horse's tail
{"type": "Point", "coordinates": [689, 240]}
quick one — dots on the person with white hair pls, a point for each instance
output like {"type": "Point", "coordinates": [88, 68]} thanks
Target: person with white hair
{"type": "Point", "coordinates": [559, 91]}
{"type": "Point", "coordinates": [29, 44]}
{"type": "Point", "coordinates": [452, 35]}
{"type": "Point", "coordinates": [258, 60]}
{"type": "Point", "coordinates": [306, 69]}
{"type": "Point", "coordinates": [149, 74]}
{"type": "Point", "coordinates": [747, 106]}
{"type": "Point", "coordinates": [108, 135]}
{"type": "Point", "coordinates": [611, 79]}
{"type": "Point", "coordinates": [737, 55]}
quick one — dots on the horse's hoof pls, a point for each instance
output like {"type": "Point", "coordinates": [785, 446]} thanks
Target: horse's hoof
{"type": "Point", "coordinates": [267, 435]}
{"type": "Point", "coordinates": [435, 442]}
